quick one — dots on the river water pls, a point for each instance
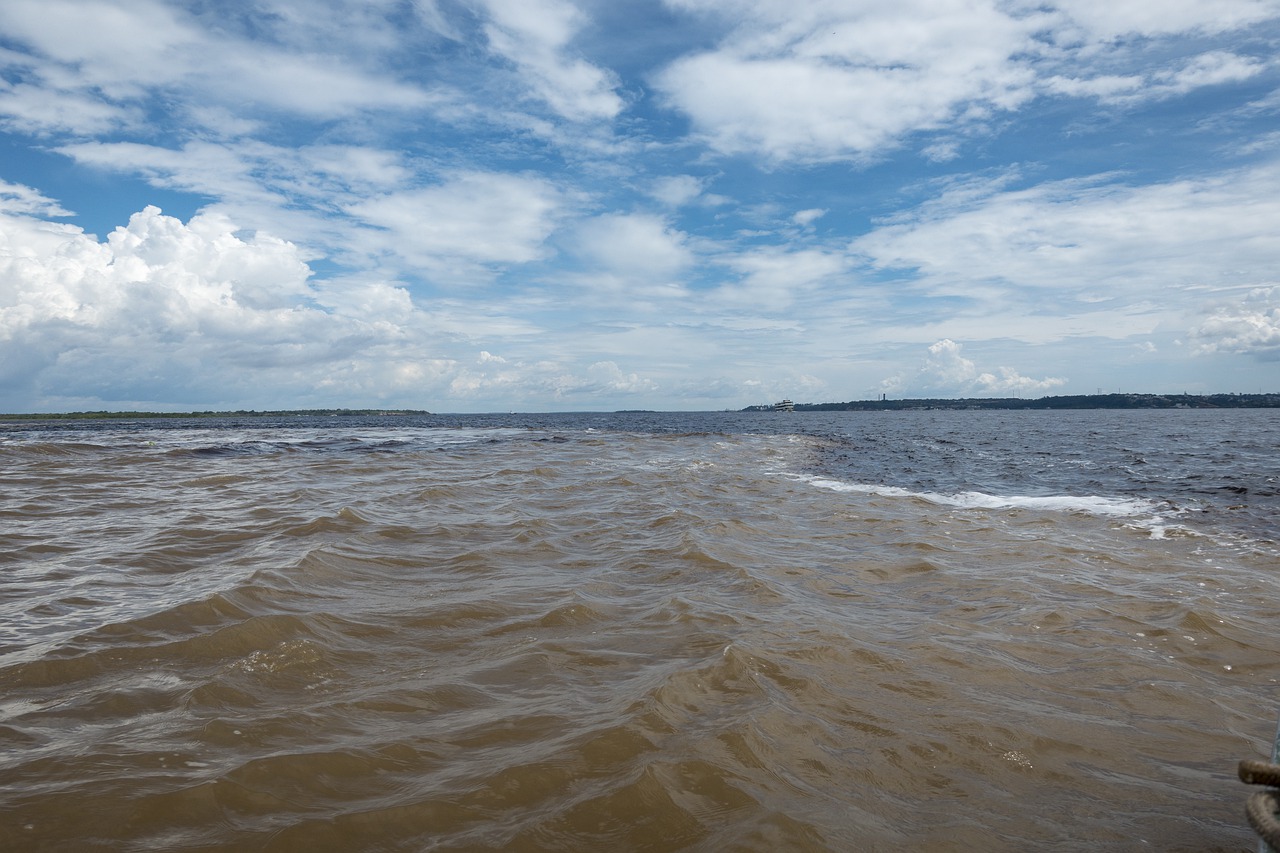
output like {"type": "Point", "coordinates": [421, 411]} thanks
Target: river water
{"type": "Point", "coordinates": [718, 631]}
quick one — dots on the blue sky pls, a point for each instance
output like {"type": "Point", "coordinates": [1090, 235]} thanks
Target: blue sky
{"type": "Point", "coordinates": [549, 205]}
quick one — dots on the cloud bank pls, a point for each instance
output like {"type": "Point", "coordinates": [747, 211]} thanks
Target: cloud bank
{"type": "Point", "coordinates": [946, 372]}
{"type": "Point", "coordinates": [662, 204]}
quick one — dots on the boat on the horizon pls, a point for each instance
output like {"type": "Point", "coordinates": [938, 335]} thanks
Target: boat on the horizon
{"type": "Point", "coordinates": [784, 406]}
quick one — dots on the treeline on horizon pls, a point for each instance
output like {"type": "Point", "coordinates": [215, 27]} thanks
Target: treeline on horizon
{"type": "Point", "coordinates": [239, 413]}
{"type": "Point", "coordinates": [1076, 401]}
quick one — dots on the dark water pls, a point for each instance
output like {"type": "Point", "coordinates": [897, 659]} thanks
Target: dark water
{"type": "Point", "coordinates": [846, 631]}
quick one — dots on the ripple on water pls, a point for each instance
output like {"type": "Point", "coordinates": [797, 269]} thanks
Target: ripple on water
{"type": "Point", "coordinates": [624, 641]}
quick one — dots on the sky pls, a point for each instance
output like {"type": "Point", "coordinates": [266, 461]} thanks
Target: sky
{"type": "Point", "coordinates": [585, 205]}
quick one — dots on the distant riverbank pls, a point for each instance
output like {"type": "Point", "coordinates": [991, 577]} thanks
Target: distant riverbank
{"type": "Point", "coordinates": [1079, 401]}
{"type": "Point", "coordinates": [1082, 401]}
{"type": "Point", "coordinates": [327, 413]}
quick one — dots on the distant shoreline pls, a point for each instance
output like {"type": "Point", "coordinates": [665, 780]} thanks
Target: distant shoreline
{"type": "Point", "coordinates": [1079, 401]}
{"type": "Point", "coordinates": [1082, 401]}
{"type": "Point", "coordinates": [241, 413]}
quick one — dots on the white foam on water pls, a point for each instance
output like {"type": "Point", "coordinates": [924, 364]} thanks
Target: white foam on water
{"type": "Point", "coordinates": [1091, 504]}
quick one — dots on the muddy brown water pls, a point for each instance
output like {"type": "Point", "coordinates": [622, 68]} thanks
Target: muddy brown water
{"type": "Point", "coordinates": [574, 635]}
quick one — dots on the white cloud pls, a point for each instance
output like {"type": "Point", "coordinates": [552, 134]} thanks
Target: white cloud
{"type": "Point", "coordinates": [429, 13]}
{"type": "Point", "coordinates": [801, 109]}
{"type": "Point", "coordinates": [535, 35]}
{"type": "Point", "coordinates": [544, 380]}
{"type": "Point", "coordinates": [634, 247]}
{"type": "Point", "coordinates": [500, 177]}
{"type": "Point", "coordinates": [1250, 326]}
{"type": "Point", "coordinates": [828, 80]}
{"type": "Point", "coordinates": [472, 218]}
{"type": "Point", "coordinates": [848, 79]}
{"type": "Point", "coordinates": [365, 299]}
{"type": "Point", "coordinates": [1211, 69]}
{"type": "Point", "coordinates": [1107, 88]}
{"type": "Point", "coordinates": [315, 86]}
{"type": "Point", "coordinates": [358, 27]}
{"type": "Point", "coordinates": [18, 199]}
{"type": "Point", "coordinates": [299, 192]}
{"type": "Point", "coordinates": [609, 379]}
{"type": "Point", "coordinates": [94, 63]}
{"type": "Point", "coordinates": [59, 273]}
{"type": "Point", "coordinates": [201, 314]}
{"type": "Point", "coordinates": [40, 110]}
{"type": "Point", "coordinates": [1207, 69]}
{"type": "Point", "coordinates": [941, 151]}
{"type": "Point", "coordinates": [1106, 20]}
{"type": "Point", "coordinates": [676, 190]}
{"type": "Point", "coordinates": [208, 262]}
{"type": "Point", "coordinates": [358, 168]}
{"type": "Point", "coordinates": [235, 173]}
{"type": "Point", "coordinates": [772, 279]}
{"type": "Point", "coordinates": [946, 372]}
{"type": "Point", "coordinates": [805, 218]}
{"type": "Point", "coordinates": [358, 203]}
{"type": "Point", "coordinates": [115, 48]}
{"type": "Point", "coordinates": [162, 309]}
{"type": "Point", "coordinates": [1078, 242]}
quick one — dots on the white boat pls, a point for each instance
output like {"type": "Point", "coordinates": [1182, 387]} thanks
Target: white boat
{"type": "Point", "coordinates": [784, 406]}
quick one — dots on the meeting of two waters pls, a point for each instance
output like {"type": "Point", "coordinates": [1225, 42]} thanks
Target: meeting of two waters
{"type": "Point", "coordinates": [716, 631]}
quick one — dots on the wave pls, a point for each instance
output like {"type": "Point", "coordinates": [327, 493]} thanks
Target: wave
{"type": "Point", "coordinates": [1090, 504]}
{"type": "Point", "coordinates": [370, 441]}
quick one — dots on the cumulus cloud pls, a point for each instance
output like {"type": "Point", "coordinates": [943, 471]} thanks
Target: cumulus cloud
{"type": "Point", "coordinates": [608, 378]}
{"type": "Point", "coordinates": [204, 314]}
{"type": "Point", "coordinates": [947, 373]}
{"type": "Point", "coordinates": [1250, 326]}
{"type": "Point", "coordinates": [160, 303]}
{"type": "Point", "coordinates": [451, 170]}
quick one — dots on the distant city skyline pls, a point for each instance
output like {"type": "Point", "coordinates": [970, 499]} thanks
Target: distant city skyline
{"type": "Point", "coordinates": [563, 206]}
